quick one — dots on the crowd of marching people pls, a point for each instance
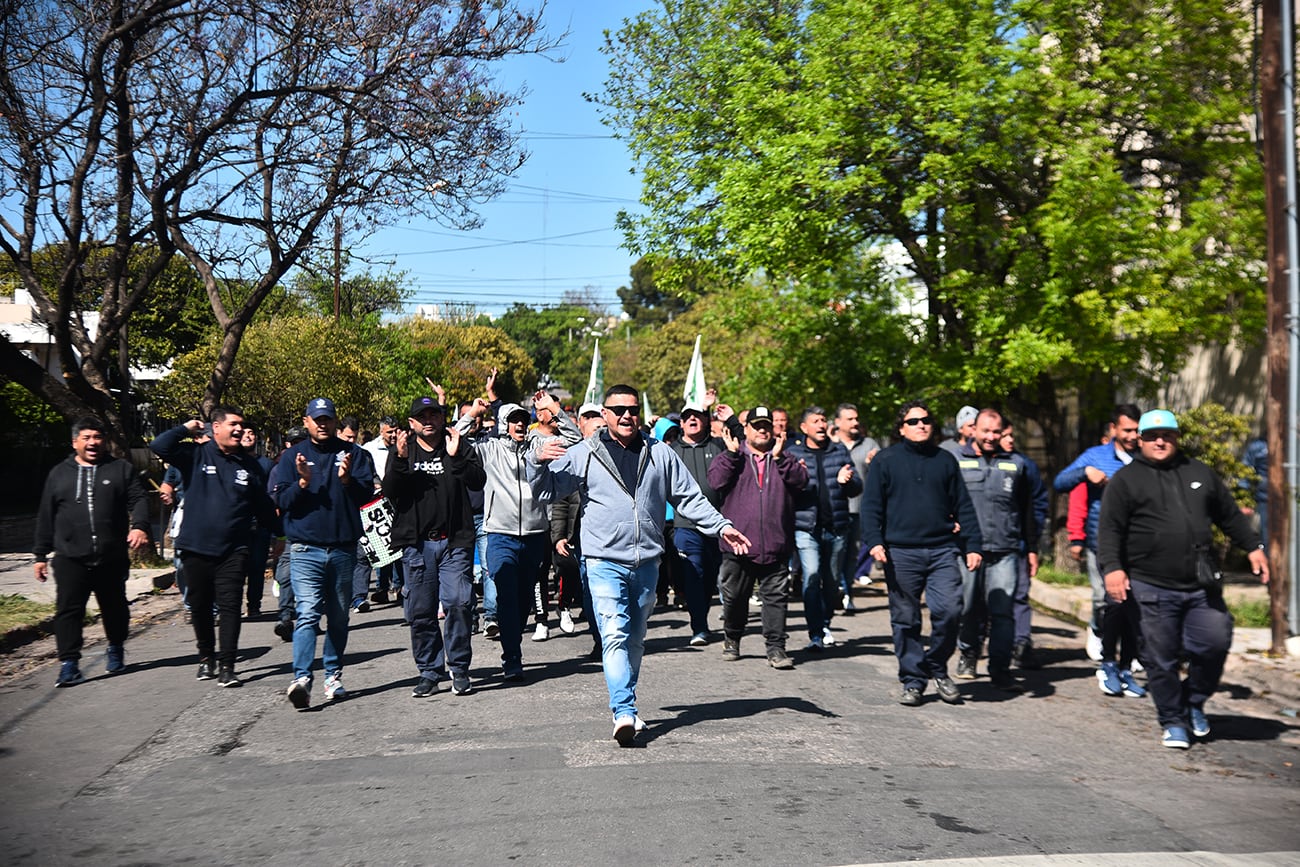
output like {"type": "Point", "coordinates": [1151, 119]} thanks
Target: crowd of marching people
{"type": "Point", "coordinates": [477, 518]}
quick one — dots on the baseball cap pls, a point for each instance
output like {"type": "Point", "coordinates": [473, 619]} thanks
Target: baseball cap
{"type": "Point", "coordinates": [697, 410]}
{"type": "Point", "coordinates": [508, 410]}
{"type": "Point", "coordinates": [1157, 419]}
{"type": "Point", "coordinates": [966, 415]}
{"type": "Point", "coordinates": [589, 409]}
{"type": "Point", "coordinates": [759, 414]}
{"type": "Point", "coordinates": [420, 404]}
{"type": "Point", "coordinates": [319, 407]}
{"type": "Point", "coordinates": [295, 434]}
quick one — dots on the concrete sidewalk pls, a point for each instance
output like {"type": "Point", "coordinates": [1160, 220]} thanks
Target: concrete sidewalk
{"type": "Point", "coordinates": [16, 580]}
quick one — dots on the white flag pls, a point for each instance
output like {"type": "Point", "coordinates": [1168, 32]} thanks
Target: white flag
{"type": "Point", "coordinates": [695, 388]}
{"type": "Point", "coordinates": [645, 407]}
{"type": "Point", "coordinates": [596, 381]}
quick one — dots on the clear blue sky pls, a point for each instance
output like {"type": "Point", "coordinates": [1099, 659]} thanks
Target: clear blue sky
{"type": "Point", "coordinates": [553, 230]}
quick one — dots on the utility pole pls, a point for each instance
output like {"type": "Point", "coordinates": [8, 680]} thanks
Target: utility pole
{"type": "Point", "coordinates": [1277, 115]}
{"type": "Point", "coordinates": [338, 264]}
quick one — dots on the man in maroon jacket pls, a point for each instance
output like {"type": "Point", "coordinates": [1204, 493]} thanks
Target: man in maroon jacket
{"type": "Point", "coordinates": [757, 483]}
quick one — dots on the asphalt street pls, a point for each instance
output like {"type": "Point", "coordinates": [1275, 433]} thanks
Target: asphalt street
{"type": "Point", "coordinates": [741, 763]}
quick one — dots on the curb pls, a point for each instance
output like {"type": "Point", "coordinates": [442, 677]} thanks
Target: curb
{"type": "Point", "coordinates": [1277, 680]}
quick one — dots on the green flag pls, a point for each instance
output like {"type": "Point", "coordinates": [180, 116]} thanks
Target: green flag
{"type": "Point", "coordinates": [596, 381]}
{"type": "Point", "coordinates": [695, 387]}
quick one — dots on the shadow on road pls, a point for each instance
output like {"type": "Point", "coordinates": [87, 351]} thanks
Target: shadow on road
{"type": "Point", "coordinates": [689, 715]}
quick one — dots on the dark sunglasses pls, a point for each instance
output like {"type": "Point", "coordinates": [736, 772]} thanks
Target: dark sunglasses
{"type": "Point", "coordinates": [925, 420]}
{"type": "Point", "coordinates": [620, 411]}
{"type": "Point", "coordinates": [1166, 435]}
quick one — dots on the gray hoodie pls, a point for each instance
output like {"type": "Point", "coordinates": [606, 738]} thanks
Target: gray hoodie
{"type": "Point", "coordinates": [628, 526]}
{"type": "Point", "coordinates": [511, 505]}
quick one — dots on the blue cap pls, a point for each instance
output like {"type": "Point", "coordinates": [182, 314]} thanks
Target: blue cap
{"type": "Point", "coordinates": [1157, 419]}
{"type": "Point", "coordinates": [319, 407]}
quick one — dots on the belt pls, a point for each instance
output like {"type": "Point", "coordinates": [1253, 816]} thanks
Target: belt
{"type": "Point", "coordinates": [435, 535]}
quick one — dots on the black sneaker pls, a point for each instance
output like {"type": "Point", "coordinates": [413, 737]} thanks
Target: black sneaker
{"type": "Point", "coordinates": [778, 658]}
{"type": "Point", "coordinates": [490, 629]}
{"type": "Point", "coordinates": [966, 667]}
{"type": "Point", "coordinates": [115, 659]}
{"type": "Point", "coordinates": [424, 688]}
{"type": "Point", "coordinates": [69, 674]}
{"type": "Point", "coordinates": [360, 606]}
{"type": "Point", "coordinates": [911, 696]}
{"type": "Point", "coordinates": [1022, 657]}
{"type": "Point", "coordinates": [379, 597]}
{"type": "Point", "coordinates": [947, 690]}
{"type": "Point", "coordinates": [730, 650]}
{"type": "Point", "coordinates": [460, 684]}
{"type": "Point", "coordinates": [254, 612]}
{"type": "Point", "coordinates": [227, 677]}
{"type": "Point", "coordinates": [1004, 681]}
{"type": "Point", "coordinates": [284, 629]}
{"type": "Point", "coordinates": [206, 672]}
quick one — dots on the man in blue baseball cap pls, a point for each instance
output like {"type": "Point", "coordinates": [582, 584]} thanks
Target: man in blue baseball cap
{"type": "Point", "coordinates": [1154, 545]}
{"type": "Point", "coordinates": [319, 486]}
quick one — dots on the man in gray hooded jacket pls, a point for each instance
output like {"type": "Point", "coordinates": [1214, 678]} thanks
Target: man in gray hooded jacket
{"type": "Point", "coordinates": [516, 523]}
{"type": "Point", "coordinates": [626, 480]}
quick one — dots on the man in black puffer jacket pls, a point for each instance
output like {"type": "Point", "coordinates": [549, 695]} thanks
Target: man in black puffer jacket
{"type": "Point", "coordinates": [822, 521]}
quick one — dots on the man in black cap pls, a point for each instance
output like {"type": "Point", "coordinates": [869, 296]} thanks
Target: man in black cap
{"type": "Point", "coordinates": [430, 473]}
{"type": "Point", "coordinates": [319, 485]}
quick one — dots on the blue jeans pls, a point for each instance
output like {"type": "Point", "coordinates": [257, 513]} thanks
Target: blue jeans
{"type": "Point", "coordinates": [989, 592]}
{"type": "Point", "coordinates": [322, 586]}
{"type": "Point", "coordinates": [437, 573]}
{"type": "Point", "coordinates": [516, 565]}
{"type": "Point", "coordinates": [1177, 624]}
{"type": "Point", "coordinates": [623, 597]}
{"type": "Point", "coordinates": [821, 556]}
{"type": "Point", "coordinates": [288, 610]}
{"type": "Point", "coordinates": [910, 573]}
{"type": "Point", "coordinates": [700, 560]}
{"type": "Point", "coordinates": [480, 552]}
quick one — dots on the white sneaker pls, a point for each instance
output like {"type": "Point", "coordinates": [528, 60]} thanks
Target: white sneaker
{"type": "Point", "coordinates": [334, 690]}
{"type": "Point", "coordinates": [827, 639]}
{"type": "Point", "coordinates": [300, 693]}
{"type": "Point", "coordinates": [1136, 667]}
{"type": "Point", "coordinates": [625, 730]}
{"type": "Point", "coordinates": [542, 632]}
{"type": "Point", "coordinates": [848, 603]}
{"type": "Point", "coordinates": [566, 622]}
{"type": "Point", "coordinates": [755, 602]}
{"type": "Point", "coordinates": [1094, 646]}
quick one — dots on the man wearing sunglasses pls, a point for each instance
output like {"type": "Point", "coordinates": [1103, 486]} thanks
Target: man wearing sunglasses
{"type": "Point", "coordinates": [626, 479]}
{"type": "Point", "coordinates": [1153, 536]}
{"type": "Point", "coordinates": [918, 522]}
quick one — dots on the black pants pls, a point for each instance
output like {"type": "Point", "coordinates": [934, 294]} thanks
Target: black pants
{"type": "Point", "coordinates": [74, 581]}
{"type": "Point", "coordinates": [738, 576]}
{"type": "Point", "coordinates": [221, 578]}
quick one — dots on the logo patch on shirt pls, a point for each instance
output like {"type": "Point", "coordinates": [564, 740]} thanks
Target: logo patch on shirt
{"type": "Point", "coordinates": [241, 476]}
{"type": "Point", "coordinates": [1196, 486]}
{"type": "Point", "coordinates": [209, 470]}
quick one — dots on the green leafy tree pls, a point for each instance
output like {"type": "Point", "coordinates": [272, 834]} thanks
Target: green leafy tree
{"type": "Point", "coordinates": [458, 357]}
{"type": "Point", "coordinates": [1069, 185]}
{"type": "Point", "coordinates": [648, 303]}
{"type": "Point", "coordinates": [284, 364]}
{"type": "Point", "coordinates": [558, 339]}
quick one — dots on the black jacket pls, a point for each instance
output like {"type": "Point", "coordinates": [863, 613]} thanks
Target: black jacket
{"type": "Point", "coordinates": [1155, 518]}
{"type": "Point", "coordinates": [830, 458]}
{"type": "Point", "coordinates": [430, 493]}
{"type": "Point", "coordinates": [914, 496]}
{"type": "Point", "coordinates": [224, 493]}
{"type": "Point", "coordinates": [87, 511]}
{"type": "Point", "coordinates": [697, 457]}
